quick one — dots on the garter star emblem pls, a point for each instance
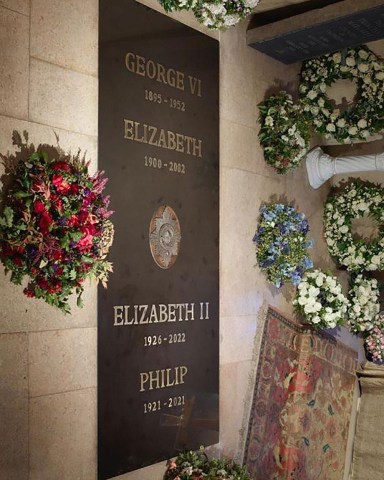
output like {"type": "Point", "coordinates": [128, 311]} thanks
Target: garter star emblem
{"type": "Point", "coordinates": [164, 237]}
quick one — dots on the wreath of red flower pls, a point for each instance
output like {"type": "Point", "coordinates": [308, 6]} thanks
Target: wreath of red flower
{"type": "Point", "coordinates": [54, 227]}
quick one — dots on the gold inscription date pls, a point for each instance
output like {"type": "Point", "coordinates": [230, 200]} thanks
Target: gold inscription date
{"type": "Point", "coordinates": [158, 164]}
{"type": "Point", "coordinates": [156, 97]}
{"type": "Point", "coordinates": [171, 338]}
{"type": "Point", "coordinates": [171, 402]}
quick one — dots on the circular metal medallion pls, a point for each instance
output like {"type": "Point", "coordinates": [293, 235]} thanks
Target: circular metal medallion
{"type": "Point", "coordinates": [164, 237]}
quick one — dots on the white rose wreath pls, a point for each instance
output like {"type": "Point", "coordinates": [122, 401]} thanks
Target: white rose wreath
{"type": "Point", "coordinates": [355, 200]}
{"type": "Point", "coordinates": [366, 116]}
{"type": "Point", "coordinates": [320, 300]}
{"type": "Point", "coordinates": [364, 299]}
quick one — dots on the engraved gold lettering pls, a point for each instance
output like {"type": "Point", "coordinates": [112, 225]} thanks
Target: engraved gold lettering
{"type": "Point", "coordinates": [162, 378]}
{"type": "Point", "coordinates": [130, 61]}
{"type": "Point", "coordinates": [136, 137]}
{"type": "Point", "coordinates": [153, 315]}
{"type": "Point", "coordinates": [143, 309]}
{"type": "Point", "coordinates": [162, 141]}
{"type": "Point", "coordinates": [151, 69]}
{"type": "Point", "coordinates": [163, 313]}
{"type": "Point", "coordinates": [171, 140]}
{"type": "Point", "coordinates": [128, 130]}
{"type": "Point", "coordinates": [140, 65]}
{"type": "Point", "coordinates": [118, 310]}
{"type": "Point", "coordinates": [153, 131]}
{"type": "Point", "coordinates": [179, 143]}
{"type": "Point", "coordinates": [161, 138]}
{"type": "Point", "coordinates": [144, 314]}
{"type": "Point", "coordinates": [156, 71]}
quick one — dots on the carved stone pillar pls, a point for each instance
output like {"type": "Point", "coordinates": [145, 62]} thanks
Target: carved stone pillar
{"type": "Point", "coordinates": [321, 166]}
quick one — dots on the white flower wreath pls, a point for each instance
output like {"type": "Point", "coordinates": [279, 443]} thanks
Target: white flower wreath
{"type": "Point", "coordinates": [355, 200]}
{"type": "Point", "coordinates": [284, 133]}
{"type": "Point", "coordinates": [364, 299]}
{"type": "Point", "coordinates": [362, 119]}
{"type": "Point", "coordinates": [214, 14]}
{"type": "Point", "coordinates": [320, 300]}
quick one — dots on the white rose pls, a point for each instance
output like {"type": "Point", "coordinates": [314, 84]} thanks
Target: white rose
{"type": "Point", "coordinates": [269, 121]}
{"type": "Point", "coordinates": [312, 94]}
{"type": "Point", "coordinates": [321, 102]}
{"type": "Point", "coordinates": [330, 127]}
{"type": "Point", "coordinates": [341, 123]}
{"type": "Point", "coordinates": [336, 57]}
{"type": "Point", "coordinates": [362, 123]}
{"type": "Point", "coordinates": [352, 130]}
{"type": "Point", "coordinates": [316, 319]}
{"type": "Point", "coordinates": [356, 308]}
{"type": "Point", "coordinates": [350, 61]}
{"type": "Point", "coordinates": [363, 54]}
{"type": "Point", "coordinates": [380, 75]}
{"type": "Point", "coordinates": [363, 67]}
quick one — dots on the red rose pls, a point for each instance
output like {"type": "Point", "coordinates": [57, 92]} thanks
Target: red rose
{"type": "Point", "coordinates": [45, 222]}
{"type": "Point", "coordinates": [82, 216]}
{"type": "Point", "coordinates": [72, 221]}
{"type": "Point", "coordinates": [75, 188]}
{"type": "Point", "coordinates": [62, 186]}
{"type": "Point", "coordinates": [43, 284]}
{"type": "Point", "coordinates": [28, 293]}
{"type": "Point", "coordinates": [61, 166]}
{"type": "Point", "coordinates": [85, 242]}
{"type": "Point", "coordinates": [17, 260]}
{"type": "Point", "coordinates": [39, 206]}
{"type": "Point", "coordinates": [57, 254]}
{"type": "Point", "coordinates": [7, 249]}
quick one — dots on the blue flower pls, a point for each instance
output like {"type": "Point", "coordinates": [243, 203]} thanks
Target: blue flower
{"type": "Point", "coordinates": [310, 243]}
{"type": "Point", "coordinates": [307, 263]}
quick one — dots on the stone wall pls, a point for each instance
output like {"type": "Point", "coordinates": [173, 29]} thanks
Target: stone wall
{"type": "Point", "coordinates": [48, 83]}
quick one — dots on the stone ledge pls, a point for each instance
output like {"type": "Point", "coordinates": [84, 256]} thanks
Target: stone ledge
{"type": "Point", "coordinates": [343, 24]}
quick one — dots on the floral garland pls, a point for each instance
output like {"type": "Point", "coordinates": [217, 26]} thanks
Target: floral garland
{"type": "Point", "coordinates": [355, 200]}
{"type": "Point", "coordinates": [195, 465]}
{"type": "Point", "coordinates": [374, 341]}
{"type": "Point", "coordinates": [214, 14]}
{"type": "Point", "coordinates": [320, 300]}
{"type": "Point", "coordinates": [284, 133]}
{"type": "Point", "coordinates": [364, 299]}
{"type": "Point", "coordinates": [55, 228]}
{"type": "Point", "coordinates": [282, 245]}
{"type": "Point", "coordinates": [365, 117]}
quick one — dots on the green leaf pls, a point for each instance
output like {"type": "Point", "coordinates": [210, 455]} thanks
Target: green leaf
{"type": "Point", "coordinates": [79, 301]}
{"type": "Point", "coordinates": [330, 410]}
{"type": "Point", "coordinates": [326, 447]}
{"type": "Point", "coordinates": [72, 274]}
{"type": "Point", "coordinates": [22, 194]}
{"type": "Point", "coordinates": [75, 236]}
{"type": "Point", "coordinates": [311, 403]}
{"type": "Point", "coordinates": [8, 214]}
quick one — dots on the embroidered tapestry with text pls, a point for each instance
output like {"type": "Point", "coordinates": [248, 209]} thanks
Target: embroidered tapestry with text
{"type": "Point", "coordinates": [299, 421]}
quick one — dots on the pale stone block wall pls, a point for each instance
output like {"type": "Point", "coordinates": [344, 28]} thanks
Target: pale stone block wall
{"type": "Point", "coordinates": [48, 83]}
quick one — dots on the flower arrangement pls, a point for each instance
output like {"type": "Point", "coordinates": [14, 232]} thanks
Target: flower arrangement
{"type": "Point", "coordinates": [282, 245]}
{"type": "Point", "coordinates": [284, 133]}
{"type": "Point", "coordinates": [214, 14]}
{"type": "Point", "coordinates": [195, 465]}
{"type": "Point", "coordinates": [362, 119]}
{"type": "Point", "coordinates": [364, 299]}
{"type": "Point", "coordinates": [374, 341]}
{"type": "Point", "coordinates": [355, 200]}
{"type": "Point", "coordinates": [54, 228]}
{"type": "Point", "coordinates": [320, 300]}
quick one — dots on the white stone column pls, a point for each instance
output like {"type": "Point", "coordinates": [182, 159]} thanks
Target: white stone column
{"type": "Point", "coordinates": [321, 166]}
